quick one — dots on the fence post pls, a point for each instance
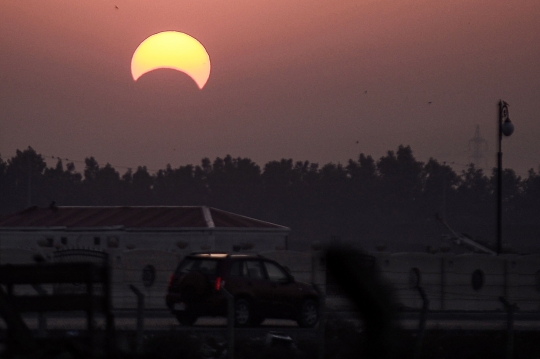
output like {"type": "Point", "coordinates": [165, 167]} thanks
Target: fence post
{"type": "Point", "coordinates": [230, 322]}
{"type": "Point", "coordinates": [17, 331]}
{"type": "Point", "coordinates": [109, 317]}
{"type": "Point", "coordinates": [510, 309]}
{"type": "Point", "coordinates": [322, 323]}
{"type": "Point", "coordinates": [42, 320]}
{"type": "Point", "coordinates": [140, 316]}
{"type": "Point", "coordinates": [443, 282]}
{"type": "Point", "coordinates": [422, 322]}
{"type": "Point", "coordinates": [90, 317]}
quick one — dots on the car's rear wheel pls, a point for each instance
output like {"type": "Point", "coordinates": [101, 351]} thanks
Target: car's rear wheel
{"type": "Point", "coordinates": [186, 318]}
{"type": "Point", "coordinates": [309, 314]}
{"type": "Point", "coordinates": [242, 312]}
{"type": "Point", "coordinates": [257, 320]}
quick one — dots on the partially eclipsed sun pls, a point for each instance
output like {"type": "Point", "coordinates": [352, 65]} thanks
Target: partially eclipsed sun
{"type": "Point", "coordinates": [172, 50]}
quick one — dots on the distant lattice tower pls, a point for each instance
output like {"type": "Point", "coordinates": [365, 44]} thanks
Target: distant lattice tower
{"type": "Point", "coordinates": [477, 146]}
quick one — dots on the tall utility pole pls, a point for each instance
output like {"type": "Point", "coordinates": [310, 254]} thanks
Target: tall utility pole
{"type": "Point", "coordinates": [477, 145]}
{"type": "Point", "coordinates": [504, 128]}
{"type": "Point", "coordinates": [29, 182]}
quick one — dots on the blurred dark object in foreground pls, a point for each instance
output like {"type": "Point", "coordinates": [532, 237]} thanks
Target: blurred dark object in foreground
{"type": "Point", "coordinates": [358, 277]}
{"type": "Point", "coordinates": [19, 338]}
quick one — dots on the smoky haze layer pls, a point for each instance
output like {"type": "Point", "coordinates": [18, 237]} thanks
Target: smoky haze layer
{"type": "Point", "coordinates": [389, 204]}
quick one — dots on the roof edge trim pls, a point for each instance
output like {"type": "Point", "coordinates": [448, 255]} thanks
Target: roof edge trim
{"type": "Point", "coordinates": [208, 217]}
{"type": "Point", "coordinates": [147, 229]}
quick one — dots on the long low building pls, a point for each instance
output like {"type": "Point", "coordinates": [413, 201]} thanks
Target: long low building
{"type": "Point", "coordinates": [144, 244]}
{"type": "Point", "coordinates": [180, 228]}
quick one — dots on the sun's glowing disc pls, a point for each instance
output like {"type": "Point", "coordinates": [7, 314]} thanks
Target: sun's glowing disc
{"type": "Point", "coordinates": [172, 50]}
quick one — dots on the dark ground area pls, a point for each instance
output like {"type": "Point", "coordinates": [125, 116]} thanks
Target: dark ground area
{"type": "Point", "coordinates": [343, 340]}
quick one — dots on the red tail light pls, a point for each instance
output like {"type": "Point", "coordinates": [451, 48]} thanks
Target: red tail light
{"type": "Point", "coordinates": [171, 278]}
{"type": "Point", "coordinates": [217, 284]}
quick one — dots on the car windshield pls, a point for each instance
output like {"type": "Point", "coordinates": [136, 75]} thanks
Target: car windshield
{"type": "Point", "coordinates": [206, 266]}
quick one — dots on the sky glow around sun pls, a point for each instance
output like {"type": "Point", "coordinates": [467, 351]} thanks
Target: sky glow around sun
{"type": "Point", "coordinates": [308, 80]}
{"type": "Point", "coordinates": [172, 50]}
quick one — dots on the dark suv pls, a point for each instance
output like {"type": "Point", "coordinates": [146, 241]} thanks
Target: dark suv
{"type": "Point", "coordinates": [261, 288]}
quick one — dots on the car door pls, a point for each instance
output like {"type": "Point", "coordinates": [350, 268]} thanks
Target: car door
{"type": "Point", "coordinates": [236, 282]}
{"type": "Point", "coordinates": [257, 283]}
{"type": "Point", "coordinates": [281, 289]}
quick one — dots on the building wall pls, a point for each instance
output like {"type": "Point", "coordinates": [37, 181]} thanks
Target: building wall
{"type": "Point", "coordinates": [47, 241]}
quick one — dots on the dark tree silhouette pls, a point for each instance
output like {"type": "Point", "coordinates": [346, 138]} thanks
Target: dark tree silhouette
{"type": "Point", "coordinates": [392, 200]}
{"type": "Point", "coordinates": [101, 186]}
{"type": "Point", "coordinates": [24, 175]}
{"type": "Point", "coordinates": [62, 186]}
{"type": "Point", "coordinates": [440, 185]}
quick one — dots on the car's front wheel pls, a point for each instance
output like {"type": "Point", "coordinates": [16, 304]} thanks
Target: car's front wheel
{"type": "Point", "coordinates": [242, 312]}
{"type": "Point", "coordinates": [309, 314]}
{"type": "Point", "coordinates": [186, 318]}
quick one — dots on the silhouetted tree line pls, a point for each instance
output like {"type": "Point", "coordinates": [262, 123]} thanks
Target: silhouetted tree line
{"type": "Point", "coordinates": [390, 201]}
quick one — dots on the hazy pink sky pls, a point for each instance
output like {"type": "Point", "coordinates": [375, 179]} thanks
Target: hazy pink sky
{"type": "Point", "coordinates": [288, 80]}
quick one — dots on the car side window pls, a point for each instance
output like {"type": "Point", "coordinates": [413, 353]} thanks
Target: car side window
{"type": "Point", "coordinates": [186, 266]}
{"type": "Point", "coordinates": [275, 273]}
{"type": "Point", "coordinates": [254, 269]}
{"type": "Point", "coordinates": [238, 269]}
{"type": "Point", "coordinates": [207, 266]}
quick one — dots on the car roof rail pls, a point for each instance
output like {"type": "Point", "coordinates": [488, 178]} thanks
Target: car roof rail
{"type": "Point", "coordinates": [255, 254]}
{"type": "Point", "coordinates": [208, 252]}
{"type": "Point", "coordinates": [228, 254]}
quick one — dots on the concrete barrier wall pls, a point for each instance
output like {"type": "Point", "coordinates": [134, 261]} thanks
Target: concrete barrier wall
{"type": "Point", "coordinates": [523, 281]}
{"type": "Point", "coordinates": [404, 271]}
{"type": "Point", "coordinates": [136, 268]}
{"type": "Point", "coordinates": [474, 282]}
{"type": "Point", "coordinates": [447, 279]}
